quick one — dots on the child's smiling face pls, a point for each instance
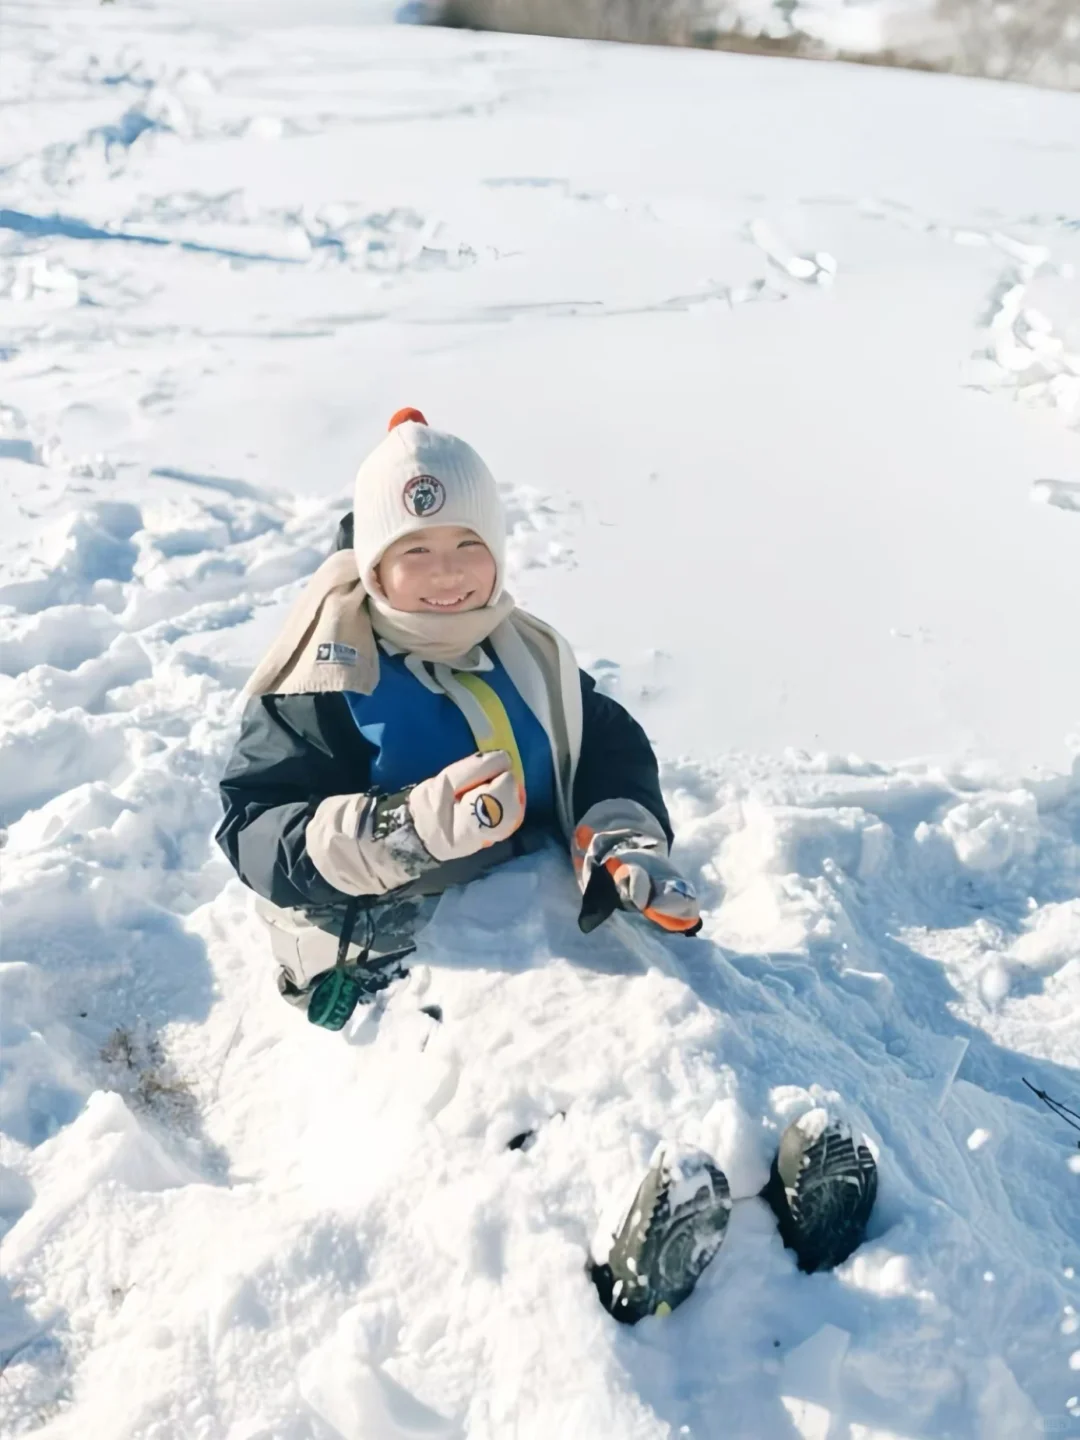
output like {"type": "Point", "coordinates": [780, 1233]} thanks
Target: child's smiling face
{"type": "Point", "coordinates": [441, 569]}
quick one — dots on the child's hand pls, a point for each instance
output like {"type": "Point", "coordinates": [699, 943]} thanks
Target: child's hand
{"type": "Point", "coordinates": [619, 852]}
{"type": "Point", "coordinates": [370, 844]}
{"type": "Point", "coordinates": [648, 882]}
{"type": "Point", "coordinates": [468, 806]}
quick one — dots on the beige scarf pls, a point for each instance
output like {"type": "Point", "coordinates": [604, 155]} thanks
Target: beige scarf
{"type": "Point", "coordinates": [328, 640]}
{"type": "Point", "coordinates": [433, 637]}
{"type": "Point", "coordinates": [328, 644]}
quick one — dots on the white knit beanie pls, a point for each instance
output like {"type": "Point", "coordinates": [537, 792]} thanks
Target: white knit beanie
{"type": "Point", "coordinates": [415, 479]}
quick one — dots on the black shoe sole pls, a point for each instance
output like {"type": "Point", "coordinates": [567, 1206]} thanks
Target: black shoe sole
{"type": "Point", "coordinates": [673, 1229]}
{"type": "Point", "coordinates": [822, 1192]}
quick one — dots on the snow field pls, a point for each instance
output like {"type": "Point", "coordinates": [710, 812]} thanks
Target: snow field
{"type": "Point", "coordinates": [272, 1233]}
{"type": "Point", "coordinates": [792, 348]}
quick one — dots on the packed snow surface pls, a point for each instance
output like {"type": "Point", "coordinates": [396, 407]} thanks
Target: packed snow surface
{"type": "Point", "coordinates": [779, 366]}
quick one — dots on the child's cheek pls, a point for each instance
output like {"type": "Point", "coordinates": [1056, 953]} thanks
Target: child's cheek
{"type": "Point", "coordinates": [399, 583]}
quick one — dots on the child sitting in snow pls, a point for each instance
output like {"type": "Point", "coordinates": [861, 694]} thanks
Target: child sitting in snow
{"type": "Point", "coordinates": [410, 729]}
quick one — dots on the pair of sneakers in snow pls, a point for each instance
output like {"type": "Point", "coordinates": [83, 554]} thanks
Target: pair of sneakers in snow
{"type": "Point", "coordinates": [821, 1189]}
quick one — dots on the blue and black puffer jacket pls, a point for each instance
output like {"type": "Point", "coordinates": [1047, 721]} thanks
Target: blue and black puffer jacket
{"type": "Point", "coordinates": [296, 750]}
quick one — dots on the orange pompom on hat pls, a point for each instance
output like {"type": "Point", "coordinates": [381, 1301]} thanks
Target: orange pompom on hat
{"type": "Point", "coordinates": [400, 416]}
{"type": "Point", "coordinates": [417, 478]}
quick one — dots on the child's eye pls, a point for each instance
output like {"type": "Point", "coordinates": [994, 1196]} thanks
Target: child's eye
{"type": "Point", "coordinates": [462, 543]}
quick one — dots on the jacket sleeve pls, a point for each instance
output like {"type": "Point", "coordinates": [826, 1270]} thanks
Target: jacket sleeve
{"type": "Point", "coordinates": [617, 762]}
{"type": "Point", "coordinates": [293, 752]}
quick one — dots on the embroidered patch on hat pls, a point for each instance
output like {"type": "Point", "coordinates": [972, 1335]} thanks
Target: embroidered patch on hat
{"type": "Point", "coordinates": [424, 496]}
{"type": "Point", "coordinates": [332, 652]}
{"type": "Point", "coordinates": [488, 811]}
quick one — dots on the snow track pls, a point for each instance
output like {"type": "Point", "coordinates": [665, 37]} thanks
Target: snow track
{"type": "Point", "coordinates": [229, 260]}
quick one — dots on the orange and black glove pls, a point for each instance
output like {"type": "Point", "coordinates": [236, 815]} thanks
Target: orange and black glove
{"type": "Point", "coordinates": [620, 856]}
